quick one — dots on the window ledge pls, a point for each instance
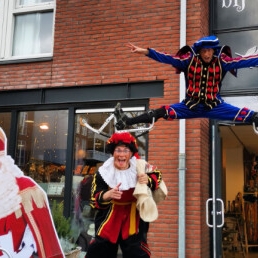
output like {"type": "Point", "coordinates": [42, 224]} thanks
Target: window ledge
{"type": "Point", "coordinates": [27, 60]}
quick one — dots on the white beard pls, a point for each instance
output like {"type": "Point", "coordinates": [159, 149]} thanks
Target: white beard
{"type": "Point", "coordinates": [9, 190]}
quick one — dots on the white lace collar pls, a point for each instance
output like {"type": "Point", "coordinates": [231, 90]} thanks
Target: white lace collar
{"type": "Point", "coordinates": [113, 176]}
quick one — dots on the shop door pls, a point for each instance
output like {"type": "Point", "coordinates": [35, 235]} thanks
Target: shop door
{"type": "Point", "coordinates": [215, 204]}
{"type": "Point", "coordinates": [239, 185]}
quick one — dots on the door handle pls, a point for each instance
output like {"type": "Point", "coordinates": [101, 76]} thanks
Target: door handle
{"type": "Point", "coordinates": [207, 213]}
{"type": "Point", "coordinates": [221, 213]}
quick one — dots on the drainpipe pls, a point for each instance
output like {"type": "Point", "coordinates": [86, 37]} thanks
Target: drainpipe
{"type": "Point", "coordinates": [182, 169]}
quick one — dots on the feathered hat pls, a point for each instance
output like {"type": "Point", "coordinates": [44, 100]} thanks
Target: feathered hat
{"type": "Point", "coordinates": [206, 42]}
{"type": "Point", "coordinates": [121, 138]}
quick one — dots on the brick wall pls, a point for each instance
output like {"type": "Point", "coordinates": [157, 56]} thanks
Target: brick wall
{"type": "Point", "coordinates": [89, 49]}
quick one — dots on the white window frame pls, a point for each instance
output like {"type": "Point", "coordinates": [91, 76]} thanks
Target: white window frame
{"type": "Point", "coordinates": [8, 10]}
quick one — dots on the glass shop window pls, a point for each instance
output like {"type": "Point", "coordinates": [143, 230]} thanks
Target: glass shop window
{"type": "Point", "coordinates": [41, 148]}
{"type": "Point", "coordinates": [5, 124]}
{"type": "Point", "coordinates": [89, 155]}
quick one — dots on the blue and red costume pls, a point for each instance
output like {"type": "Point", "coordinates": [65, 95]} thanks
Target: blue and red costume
{"type": "Point", "coordinates": [203, 81]}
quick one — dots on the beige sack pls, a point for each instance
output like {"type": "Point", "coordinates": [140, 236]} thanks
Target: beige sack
{"type": "Point", "coordinates": [146, 199]}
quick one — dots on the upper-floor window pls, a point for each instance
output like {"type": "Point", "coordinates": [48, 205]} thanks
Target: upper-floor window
{"type": "Point", "coordinates": [26, 29]}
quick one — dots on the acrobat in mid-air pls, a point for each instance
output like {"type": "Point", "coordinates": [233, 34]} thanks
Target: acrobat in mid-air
{"type": "Point", "coordinates": [204, 65]}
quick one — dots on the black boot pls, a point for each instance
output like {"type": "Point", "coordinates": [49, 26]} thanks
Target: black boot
{"type": "Point", "coordinates": [123, 120]}
{"type": "Point", "coordinates": [254, 119]}
{"type": "Point", "coordinates": [121, 117]}
{"type": "Point", "coordinates": [148, 116]}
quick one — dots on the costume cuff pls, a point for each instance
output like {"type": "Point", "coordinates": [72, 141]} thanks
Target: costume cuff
{"type": "Point", "coordinates": [100, 203]}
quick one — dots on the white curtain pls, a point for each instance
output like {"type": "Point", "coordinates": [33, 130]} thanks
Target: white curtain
{"type": "Point", "coordinates": [29, 38]}
{"type": "Point", "coordinates": [27, 34]}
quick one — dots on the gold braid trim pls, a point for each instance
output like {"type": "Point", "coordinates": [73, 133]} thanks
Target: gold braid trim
{"type": "Point", "coordinates": [38, 235]}
{"type": "Point", "coordinates": [30, 195]}
{"type": "Point", "coordinates": [132, 227]}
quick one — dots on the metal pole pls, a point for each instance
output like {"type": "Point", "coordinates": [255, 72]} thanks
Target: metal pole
{"type": "Point", "coordinates": [213, 193]}
{"type": "Point", "coordinates": [182, 155]}
{"type": "Point", "coordinates": [181, 213]}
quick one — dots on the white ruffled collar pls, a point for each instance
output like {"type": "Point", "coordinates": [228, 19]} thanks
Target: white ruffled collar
{"type": "Point", "coordinates": [113, 176]}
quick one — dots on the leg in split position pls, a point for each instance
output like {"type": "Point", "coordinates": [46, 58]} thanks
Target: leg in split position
{"type": "Point", "coordinates": [123, 120]}
{"type": "Point", "coordinates": [222, 111]}
{"type": "Point", "coordinates": [204, 65]}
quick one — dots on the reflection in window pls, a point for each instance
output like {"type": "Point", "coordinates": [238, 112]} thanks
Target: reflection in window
{"type": "Point", "coordinates": [41, 147]}
{"type": "Point", "coordinates": [5, 123]}
{"type": "Point", "coordinates": [89, 155]}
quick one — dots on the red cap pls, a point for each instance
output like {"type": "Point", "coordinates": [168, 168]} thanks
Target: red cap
{"type": "Point", "coordinates": [122, 138]}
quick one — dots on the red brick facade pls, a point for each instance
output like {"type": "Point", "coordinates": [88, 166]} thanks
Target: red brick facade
{"type": "Point", "coordinates": [89, 49]}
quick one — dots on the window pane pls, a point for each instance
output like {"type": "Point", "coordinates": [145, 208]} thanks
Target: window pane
{"type": "Point", "coordinates": [90, 153]}
{"type": "Point", "coordinates": [5, 123]}
{"type": "Point", "coordinates": [41, 148]}
{"type": "Point", "coordinates": [33, 34]}
{"type": "Point", "coordinates": [30, 2]}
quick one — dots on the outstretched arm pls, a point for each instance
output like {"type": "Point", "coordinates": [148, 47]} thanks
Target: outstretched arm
{"type": "Point", "coordinates": [176, 62]}
{"type": "Point", "coordinates": [139, 50]}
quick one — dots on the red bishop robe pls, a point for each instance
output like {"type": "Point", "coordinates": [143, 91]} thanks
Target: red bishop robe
{"type": "Point", "coordinates": [34, 213]}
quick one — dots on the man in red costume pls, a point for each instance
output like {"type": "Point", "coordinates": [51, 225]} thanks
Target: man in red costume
{"type": "Point", "coordinates": [26, 225]}
{"type": "Point", "coordinates": [120, 219]}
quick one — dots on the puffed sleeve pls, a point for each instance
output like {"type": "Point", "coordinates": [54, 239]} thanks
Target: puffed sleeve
{"type": "Point", "coordinates": [98, 188]}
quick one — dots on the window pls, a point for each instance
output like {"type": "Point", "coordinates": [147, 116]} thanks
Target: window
{"type": "Point", "coordinates": [5, 123]}
{"type": "Point", "coordinates": [89, 155]}
{"type": "Point", "coordinates": [41, 148]}
{"type": "Point", "coordinates": [26, 29]}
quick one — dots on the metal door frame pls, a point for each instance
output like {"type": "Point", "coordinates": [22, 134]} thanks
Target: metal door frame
{"type": "Point", "coordinates": [215, 205]}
